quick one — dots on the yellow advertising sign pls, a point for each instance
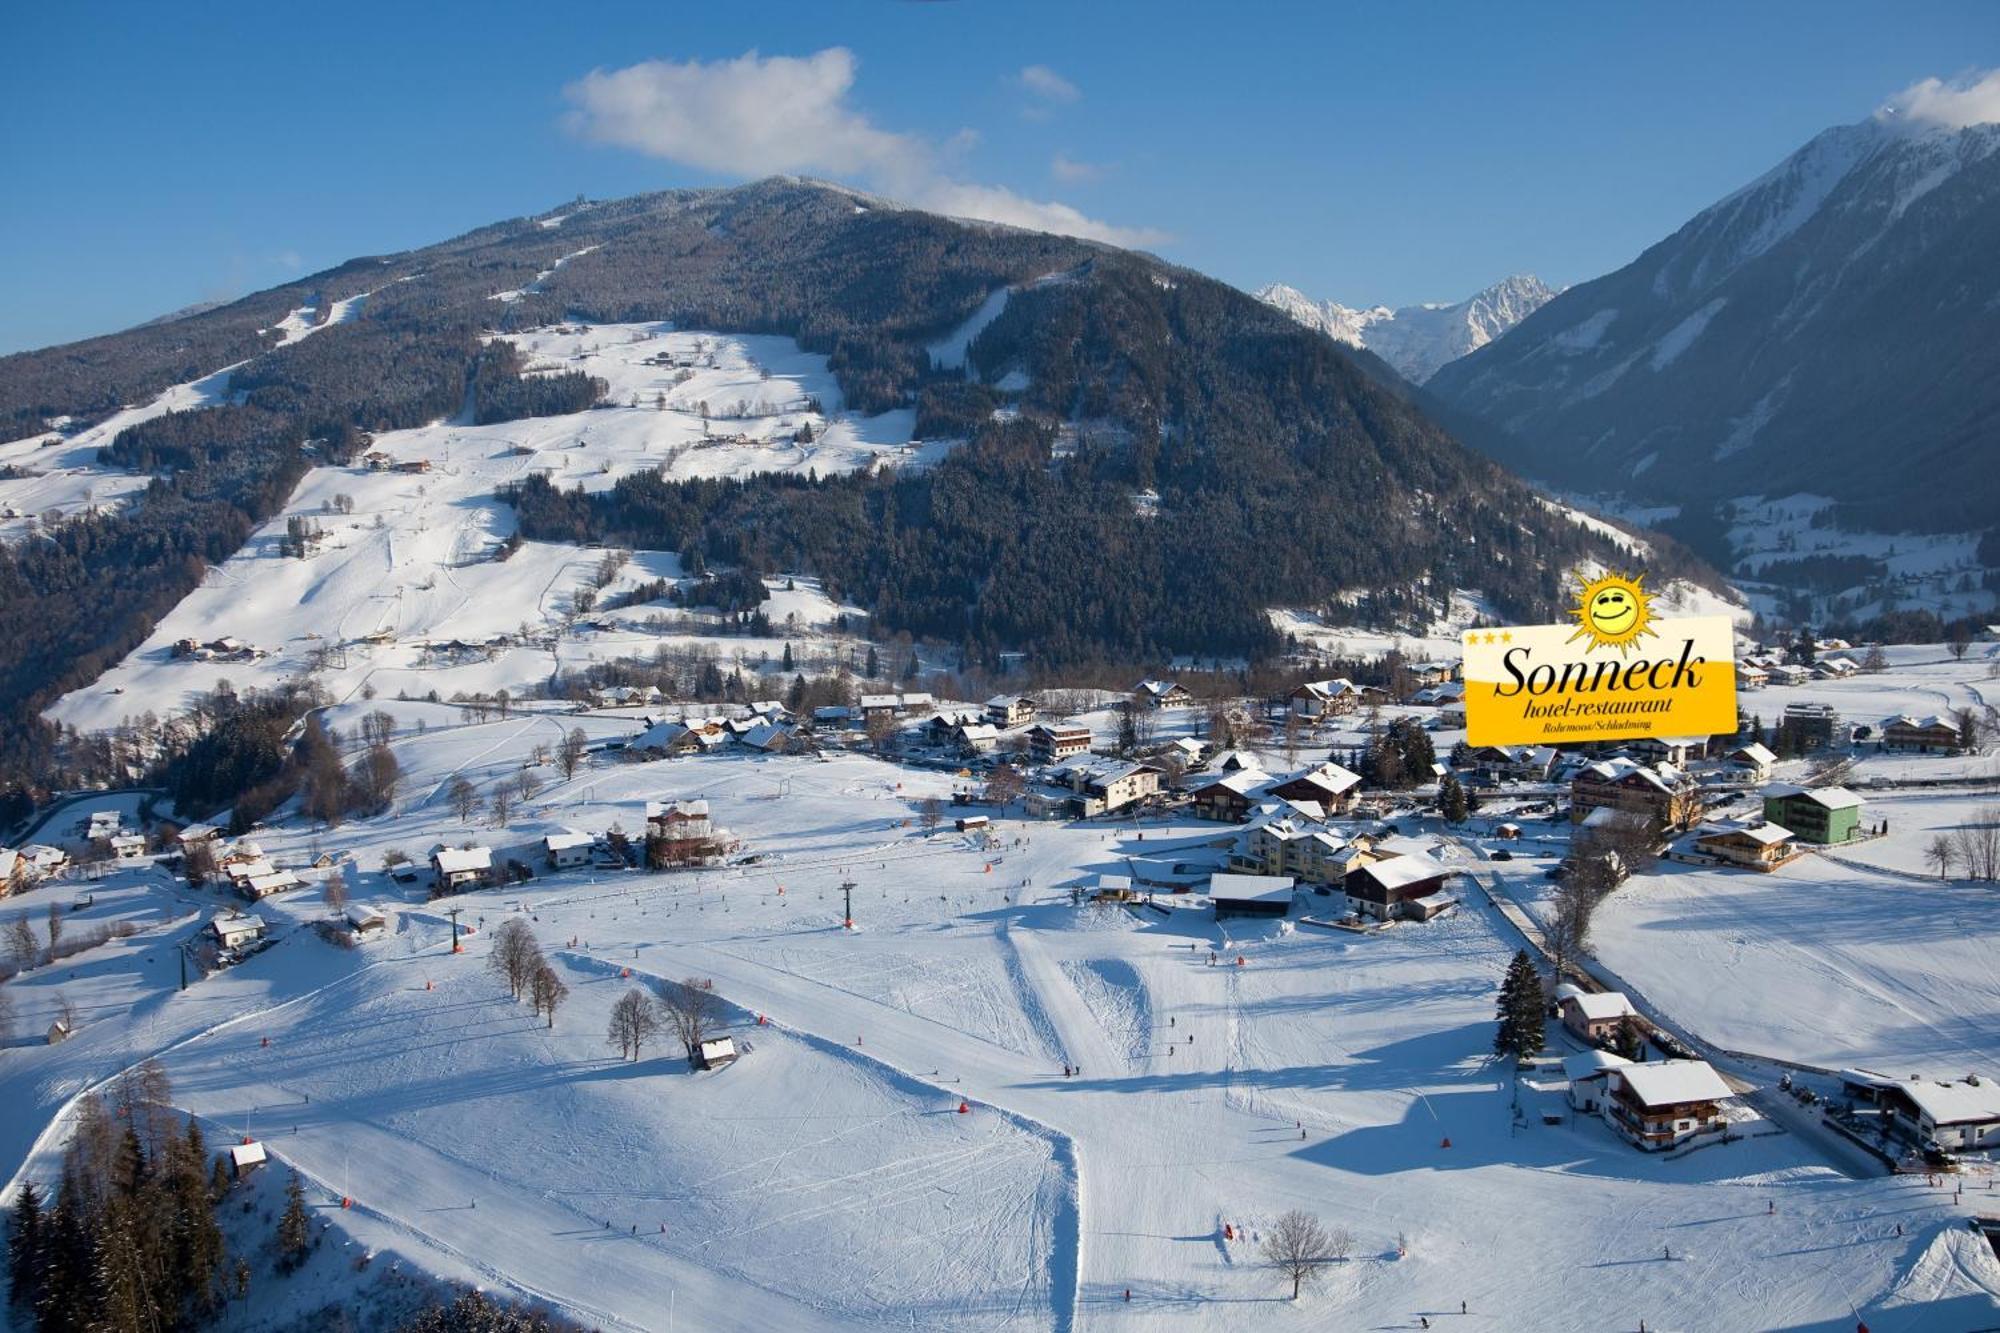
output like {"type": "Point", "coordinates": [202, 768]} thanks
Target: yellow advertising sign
{"type": "Point", "coordinates": [1612, 674]}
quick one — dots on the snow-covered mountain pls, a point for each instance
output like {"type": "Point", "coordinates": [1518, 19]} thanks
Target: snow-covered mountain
{"type": "Point", "coordinates": [1828, 329]}
{"type": "Point", "coordinates": [1417, 339]}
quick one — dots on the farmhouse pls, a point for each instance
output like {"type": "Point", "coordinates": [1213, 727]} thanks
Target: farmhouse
{"type": "Point", "coordinates": [1761, 846]}
{"type": "Point", "coordinates": [43, 859]}
{"type": "Point", "coordinates": [1819, 814]}
{"type": "Point", "coordinates": [1594, 1016]}
{"type": "Point", "coordinates": [1921, 735]}
{"type": "Point", "coordinates": [567, 850]}
{"type": "Point", "coordinates": [233, 931]}
{"type": "Point", "coordinates": [264, 881]}
{"type": "Point", "coordinates": [128, 846]}
{"type": "Point", "coordinates": [1587, 1072]}
{"type": "Point", "coordinates": [1325, 698]}
{"type": "Point", "coordinates": [1958, 1117]}
{"type": "Point", "coordinates": [1385, 888]}
{"type": "Point", "coordinates": [1752, 761]}
{"type": "Point", "coordinates": [197, 835]}
{"type": "Point", "coordinates": [456, 868]}
{"type": "Point", "coordinates": [1010, 710]}
{"type": "Point", "coordinates": [1668, 798]}
{"type": "Point", "coordinates": [1049, 742]}
{"type": "Point", "coordinates": [1334, 788]}
{"type": "Point", "coordinates": [1661, 1104]}
{"type": "Point", "coordinates": [1162, 694]}
{"type": "Point", "coordinates": [1750, 676]}
{"type": "Point", "coordinates": [1518, 763]}
{"type": "Point", "coordinates": [1231, 797]}
{"type": "Point", "coordinates": [974, 738]}
{"type": "Point", "coordinates": [678, 819]}
{"type": "Point", "coordinates": [1676, 750]}
{"type": "Point", "coordinates": [1250, 895]}
{"type": "Point", "coordinates": [769, 738]}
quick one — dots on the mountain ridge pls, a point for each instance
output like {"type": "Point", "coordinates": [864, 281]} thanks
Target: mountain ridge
{"type": "Point", "coordinates": [1418, 339]}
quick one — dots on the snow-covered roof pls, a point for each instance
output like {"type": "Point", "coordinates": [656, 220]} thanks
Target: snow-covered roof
{"type": "Point", "coordinates": [1755, 753]}
{"type": "Point", "coordinates": [978, 731]}
{"type": "Point", "coordinates": [1329, 775]}
{"type": "Point", "coordinates": [879, 701]}
{"type": "Point", "coordinates": [1600, 1006]}
{"type": "Point", "coordinates": [1157, 688]}
{"type": "Point", "coordinates": [1925, 723]}
{"type": "Point", "coordinates": [1963, 1103]}
{"type": "Point", "coordinates": [1227, 887]}
{"type": "Point", "coordinates": [1567, 990]}
{"type": "Point", "coordinates": [460, 860]}
{"type": "Point", "coordinates": [1398, 872]}
{"type": "Point", "coordinates": [272, 882]}
{"type": "Point", "coordinates": [227, 923]}
{"type": "Point", "coordinates": [1671, 1082]}
{"type": "Point", "coordinates": [677, 809]}
{"type": "Point", "coordinates": [567, 840]}
{"type": "Point", "coordinates": [1615, 769]}
{"type": "Point", "coordinates": [1242, 782]}
{"type": "Point", "coordinates": [246, 1154]}
{"type": "Point", "coordinates": [364, 914]}
{"type": "Point", "coordinates": [1766, 833]}
{"type": "Point", "coordinates": [1832, 798]}
{"type": "Point", "coordinates": [1591, 1064]}
{"type": "Point", "coordinates": [766, 736]}
{"type": "Point", "coordinates": [197, 833]}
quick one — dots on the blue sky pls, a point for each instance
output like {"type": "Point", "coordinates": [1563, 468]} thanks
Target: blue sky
{"type": "Point", "coordinates": [161, 155]}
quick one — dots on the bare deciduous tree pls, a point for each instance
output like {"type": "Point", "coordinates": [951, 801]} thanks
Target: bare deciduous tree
{"type": "Point", "coordinates": [515, 955]}
{"type": "Point", "coordinates": [1298, 1246]}
{"type": "Point", "coordinates": [693, 1010]}
{"type": "Point", "coordinates": [22, 946]}
{"type": "Point", "coordinates": [1942, 853]}
{"type": "Point", "coordinates": [464, 799]}
{"type": "Point", "coordinates": [570, 757]}
{"type": "Point", "coordinates": [634, 1021]}
{"type": "Point", "coordinates": [336, 892]}
{"type": "Point", "coordinates": [1567, 929]}
{"type": "Point", "coordinates": [930, 813]}
{"type": "Point", "coordinates": [546, 991]}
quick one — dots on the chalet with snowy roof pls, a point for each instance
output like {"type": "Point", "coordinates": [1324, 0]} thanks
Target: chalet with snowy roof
{"type": "Point", "coordinates": [1750, 676]}
{"type": "Point", "coordinates": [1587, 1073]}
{"type": "Point", "coordinates": [128, 846]}
{"type": "Point", "coordinates": [1835, 668]}
{"type": "Point", "coordinates": [1594, 1016]}
{"type": "Point", "coordinates": [1661, 1104]}
{"type": "Point", "coordinates": [875, 706]}
{"type": "Point", "coordinates": [234, 930]}
{"type": "Point", "coordinates": [942, 729]}
{"type": "Point", "coordinates": [674, 737]}
{"type": "Point", "coordinates": [1010, 710]}
{"type": "Point", "coordinates": [1514, 763]}
{"type": "Point", "coordinates": [769, 738]}
{"type": "Point", "coordinates": [1963, 1116]}
{"type": "Point", "coordinates": [975, 738]}
{"type": "Point", "coordinates": [1230, 797]}
{"type": "Point", "coordinates": [1929, 734]}
{"type": "Point", "coordinates": [678, 819]}
{"type": "Point", "coordinates": [1250, 895]}
{"type": "Point", "coordinates": [1051, 741]}
{"type": "Point", "coordinates": [1331, 787]}
{"type": "Point", "coordinates": [1822, 815]}
{"type": "Point", "coordinates": [197, 835]}
{"type": "Point", "coordinates": [1754, 846]}
{"type": "Point", "coordinates": [1752, 761]}
{"type": "Point", "coordinates": [1107, 784]}
{"type": "Point", "coordinates": [43, 859]}
{"type": "Point", "coordinates": [1162, 694]}
{"type": "Point", "coordinates": [1326, 698]}
{"type": "Point", "coordinates": [365, 921]}
{"type": "Point", "coordinates": [265, 880]}
{"type": "Point", "coordinates": [568, 849]}
{"type": "Point", "coordinates": [1676, 750]}
{"type": "Point", "coordinates": [455, 869]}
{"type": "Point", "coordinates": [1667, 796]}
{"type": "Point", "coordinates": [1190, 750]}
{"type": "Point", "coordinates": [1388, 887]}
{"type": "Point", "coordinates": [1439, 696]}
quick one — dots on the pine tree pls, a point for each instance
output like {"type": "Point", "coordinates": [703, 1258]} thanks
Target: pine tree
{"type": "Point", "coordinates": [1520, 1010]}
{"type": "Point", "coordinates": [1451, 800]}
{"type": "Point", "coordinates": [293, 1236]}
{"type": "Point", "coordinates": [24, 1247]}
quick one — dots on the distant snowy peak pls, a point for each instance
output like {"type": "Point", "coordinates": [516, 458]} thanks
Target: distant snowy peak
{"type": "Point", "coordinates": [1417, 339]}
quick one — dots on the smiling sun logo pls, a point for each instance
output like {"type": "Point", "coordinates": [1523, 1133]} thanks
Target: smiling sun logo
{"type": "Point", "coordinates": [1612, 611]}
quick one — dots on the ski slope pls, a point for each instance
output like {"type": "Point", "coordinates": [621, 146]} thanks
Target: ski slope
{"type": "Point", "coordinates": [827, 1179]}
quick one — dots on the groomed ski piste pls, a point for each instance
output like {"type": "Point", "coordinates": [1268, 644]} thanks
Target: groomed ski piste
{"type": "Point", "coordinates": [828, 1178]}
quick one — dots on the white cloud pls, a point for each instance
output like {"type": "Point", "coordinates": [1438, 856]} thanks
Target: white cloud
{"type": "Point", "coordinates": [1973, 99]}
{"type": "Point", "coordinates": [1048, 85]}
{"type": "Point", "coordinates": [1066, 168]}
{"type": "Point", "coordinates": [758, 116]}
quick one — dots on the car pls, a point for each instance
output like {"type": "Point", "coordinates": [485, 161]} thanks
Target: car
{"type": "Point", "coordinates": [1502, 855]}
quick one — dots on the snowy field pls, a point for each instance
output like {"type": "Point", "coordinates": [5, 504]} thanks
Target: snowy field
{"type": "Point", "coordinates": [827, 1179]}
{"type": "Point", "coordinates": [407, 559]}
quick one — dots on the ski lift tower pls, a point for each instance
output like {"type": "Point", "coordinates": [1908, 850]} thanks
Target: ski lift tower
{"type": "Point", "coordinates": [847, 903]}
